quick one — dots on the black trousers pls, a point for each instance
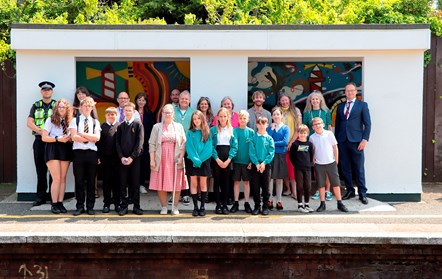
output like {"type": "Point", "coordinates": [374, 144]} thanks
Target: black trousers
{"type": "Point", "coordinates": [85, 170]}
{"type": "Point", "coordinates": [42, 169]}
{"type": "Point", "coordinates": [111, 185]}
{"type": "Point", "coordinates": [260, 184]}
{"type": "Point", "coordinates": [221, 183]}
{"type": "Point", "coordinates": [303, 185]}
{"type": "Point", "coordinates": [129, 183]}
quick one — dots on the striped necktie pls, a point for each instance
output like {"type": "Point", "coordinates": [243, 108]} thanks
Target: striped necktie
{"type": "Point", "coordinates": [121, 115]}
{"type": "Point", "coordinates": [348, 109]}
{"type": "Point", "coordinates": [63, 126]}
{"type": "Point", "coordinates": [86, 126]}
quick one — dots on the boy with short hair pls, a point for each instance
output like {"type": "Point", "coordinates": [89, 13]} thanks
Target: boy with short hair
{"type": "Point", "coordinates": [129, 145]}
{"type": "Point", "coordinates": [301, 156]}
{"type": "Point", "coordinates": [109, 161]}
{"type": "Point", "coordinates": [262, 151]}
{"type": "Point", "coordinates": [241, 162]}
{"type": "Point", "coordinates": [326, 162]}
{"type": "Point", "coordinates": [85, 132]}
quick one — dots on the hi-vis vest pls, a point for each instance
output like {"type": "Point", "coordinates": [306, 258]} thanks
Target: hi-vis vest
{"type": "Point", "coordinates": [40, 115]}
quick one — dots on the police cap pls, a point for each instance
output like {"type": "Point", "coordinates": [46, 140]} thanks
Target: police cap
{"type": "Point", "coordinates": [46, 85]}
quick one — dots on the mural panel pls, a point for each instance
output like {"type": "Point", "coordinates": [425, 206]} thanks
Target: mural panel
{"type": "Point", "coordinates": [298, 79]}
{"type": "Point", "coordinates": [156, 79]}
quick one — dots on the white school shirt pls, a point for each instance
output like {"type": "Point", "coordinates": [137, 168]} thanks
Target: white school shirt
{"type": "Point", "coordinates": [80, 129]}
{"type": "Point", "coordinates": [223, 137]}
{"type": "Point", "coordinates": [54, 131]}
{"type": "Point", "coordinates": [323, 144]}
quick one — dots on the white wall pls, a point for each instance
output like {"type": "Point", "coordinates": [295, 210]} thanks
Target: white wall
{"type": "Point", "coordinates": [392, 79]}
{"type": "Point", "coordinates": [32, 68]}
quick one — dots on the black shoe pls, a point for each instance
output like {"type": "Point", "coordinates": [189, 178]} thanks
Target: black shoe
{"type": "Point", "coordinates": [321, 207]}
{"type": "Point", "coordinates": [234, 207]}
{"type": "Point", "coordinates": [229, 201]}
{"type": "Point", "coordinates": [256, 210]}
{"type": "Point", "coordinates": [117, 208]}
{"type": "Point", "coordinates": [247, 207]}
{"type": "Point", "coordinates": [91, 212]}
{"type": "Point", "coordinates": [202, 211]}
{"type": "Point", "coordinates": [38, 202]}
{"type": "Point", "coordinates": [55, 209]}
{"type": "Point", "coordinates": [123, 211]}
{"type": "Point", "coordinates": [218, 210]}
{"type": "Point", "coordinates": [106, 209]}
{"type": "Point", "coordinates": [138, 211]}
{"type": "Point", "coordinates": [195, 212]}
{"type": "Point", "coordinates": [225, 210]}
{"type": "Point", "coordinates": [349, 195]}
{"type": "Point", "coordinates": [265, 211]}
{"type": "Point", "coordinates": [61, 207]}
{"type": "Point", "coordinates": [342, 207]}
{"type": "Point", "coordinates": [363, 199]}
{"type": "Point", "coordinates": [79, 211]}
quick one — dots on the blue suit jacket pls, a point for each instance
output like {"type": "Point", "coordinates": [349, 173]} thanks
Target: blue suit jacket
{"type": "Point", "coordinates": [358, 125]}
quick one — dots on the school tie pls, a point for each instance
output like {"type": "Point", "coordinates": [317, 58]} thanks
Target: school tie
{"type": "Point", "coordinates": [63, 126]}
{"type": "Point", "coordinates": [86, 126]}
{"type": "Point", "coordinates": [348, 109]}
{"type": "Point", "coordinates": [121, 115]}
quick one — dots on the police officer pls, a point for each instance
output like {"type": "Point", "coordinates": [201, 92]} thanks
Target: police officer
{"type": "Point", "coordinates": [40, 111]}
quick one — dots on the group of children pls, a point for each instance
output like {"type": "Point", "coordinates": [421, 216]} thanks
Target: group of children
{"type": "Point", "coordinates": [258, 158]}
{"type": "Point", "coordinates": [255, 158]}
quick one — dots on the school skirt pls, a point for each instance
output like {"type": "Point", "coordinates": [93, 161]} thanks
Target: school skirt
{"type": "Point", "coordinates": [279, 167]}
{"type": "Point", "coordinates": [58, 151]}
{"type": "Point", "coordinates": [204, 170]}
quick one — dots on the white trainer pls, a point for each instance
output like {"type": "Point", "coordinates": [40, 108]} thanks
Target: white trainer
{"type": "Point", "coordinates": [301, 209]}
{"type": "Point", "coordinates": [143, 189]}
{"type": "Point", "coordinates": [163, 211]}
{"type": "Point", "coordinates": [175, 211]}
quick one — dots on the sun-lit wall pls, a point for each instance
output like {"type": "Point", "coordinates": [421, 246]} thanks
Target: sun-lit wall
{"type": "Point", "coordinates": [220, 58]}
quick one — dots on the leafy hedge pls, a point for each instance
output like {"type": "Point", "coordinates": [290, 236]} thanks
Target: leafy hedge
{"type": "Point", "coordinates": [213, 12]}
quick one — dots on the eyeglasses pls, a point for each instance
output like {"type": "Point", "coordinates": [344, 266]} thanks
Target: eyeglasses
{"type": "Point", "coordinates": [317, 124]}
{"type": "Point", "coordinates": [61, 107]}
{"type": "Point", "coordinates": [167, 112]}
{"type": "Point", "coordinates": [123, 98]}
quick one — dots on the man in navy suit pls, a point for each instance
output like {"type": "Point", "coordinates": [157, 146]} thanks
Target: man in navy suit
{"type": "Point", "coordinates": [352, 132]}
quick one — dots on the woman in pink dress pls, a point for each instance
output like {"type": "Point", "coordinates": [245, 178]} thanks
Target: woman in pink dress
{"type": "Point", "coordinates": [167, 146]}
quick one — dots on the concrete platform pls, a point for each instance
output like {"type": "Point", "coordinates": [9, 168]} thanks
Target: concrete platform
{"type": "Point", "coordinates": [378, 240]}
{"type": "Point", "coordinates": [375, 223]}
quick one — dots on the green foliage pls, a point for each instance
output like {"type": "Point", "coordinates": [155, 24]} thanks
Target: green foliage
{"type": "Point", "coordinates": [173, 11]}
{"type": "Point", "coordinates": [427, 58]}
{"type": "Point", "coordinates": [215, 12]}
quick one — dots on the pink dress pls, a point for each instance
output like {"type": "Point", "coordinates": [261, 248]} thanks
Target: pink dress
{"type": "Point", "coordinates": [162, 180]}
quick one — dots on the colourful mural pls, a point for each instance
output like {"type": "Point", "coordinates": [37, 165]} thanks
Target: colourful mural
{"type": "Point", "coordinates": [298, 79]}
{"type": "Point", "coordinates": [105, 80]}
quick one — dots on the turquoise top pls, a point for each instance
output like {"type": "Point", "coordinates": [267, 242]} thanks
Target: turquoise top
{"type": "Point", "coordinates": [183, 118]}
{"type": "Point", "coordinates": [309, 115]}
{"type": "Point", "coordinates": [197, 150]}
{"type": "Point", "coordinates": [244, 137]}
{"type": "Point", "coordinates": [262, 149]}
{"type": "Point", "coordinates": [233, 144]}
